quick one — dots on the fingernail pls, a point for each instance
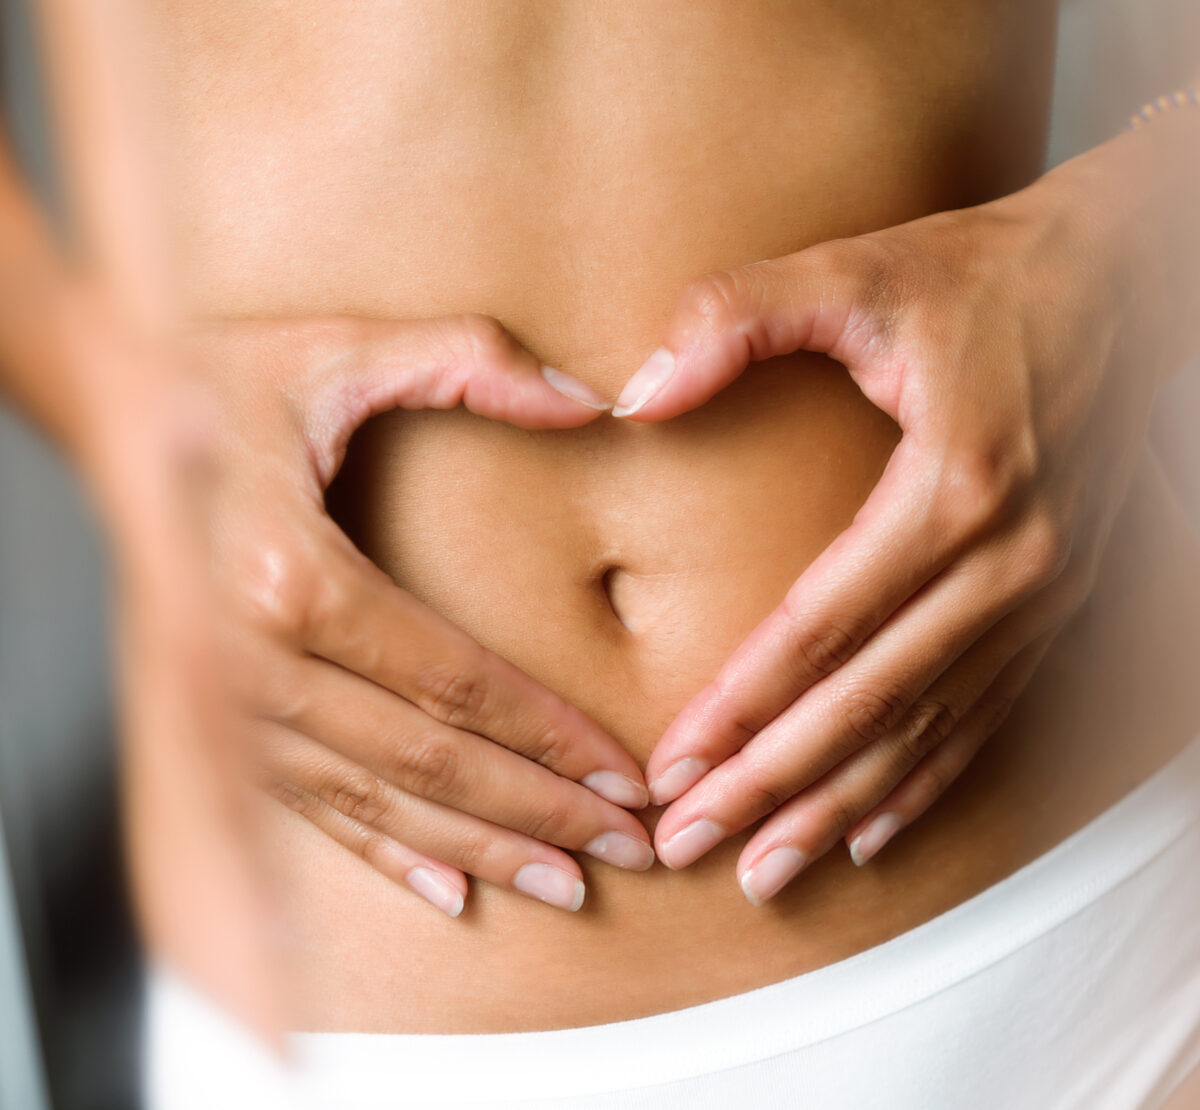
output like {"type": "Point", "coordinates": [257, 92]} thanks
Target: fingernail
{"type": "Point", "coordinates": [691, 842]}
{"type": "Point", "coordinates": [621, 850]}
{"type": "Point", "coordinates": [618, 789]}
{"type": "Point", "coordinates": [772, 873]}
{"type": "Point", "coordinates": [677, 779]}
{"type": "Point", "coordinates": [650, 378]}
{"type": "Point", "coordinates": [435, 889]}
{"type": "Point", "coordinates": [874, 837]}
{"type": "Point", "coordinates": [549, 884]}
{"type": "Point", "coordinates": [574, 388]}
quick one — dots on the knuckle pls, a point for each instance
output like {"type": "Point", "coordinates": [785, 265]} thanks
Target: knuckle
{"type": "Point", "coordinates": [552, 748]}
{"type": "Point", "coordinates": [472, 851]}
{"type": "Point", "coordinates": [286, 594]}
{"type": "Point", "coordinates": [871, 713]}
{"type": "Point", "coordinates": [454, 693]}
{"type": "Point", "coordinates": [1045, 551]}
{"type": "Point", "coordinates": [928, 725]}
{"type": "Point", "coordinates": [552, 824]}
{"type": "Point", "coordinates": [824, 650]}
{"type": "Point", "coordinates": [276, 587]}
{"type": "Point", "coordinates": [486, 337]}
{"type": "Point", "coordinates": [766, 787]}
{"type": "Point", "coordinates": [718, 298]}
{"type": "Point", "coordinates": [430, 768]}
{"type": "Point", "coordinates": [979, 488]}
{"type": "Point", "coordinates": [357, 794]}
{"type": "Point", "coordinates": [768, 795]}
{"type": "Point", "coordinates": [375, 849]}
{"type": "Point", "coordinates": [837, 814]}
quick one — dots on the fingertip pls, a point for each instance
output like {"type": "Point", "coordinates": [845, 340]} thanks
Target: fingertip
{"type": "Point", "coordinates": [697, 838]}
{"type": "Point", "coordinates": [677, 780]}
{"type": "Point", "coordinates": [766, 878]}
{"type": "Point", "coordinates": [617, 788]}
{"type": "Point", "coordinates": [646, 384]}
{"type": "Point", "coordinates": [550, 884]}
{"type": "Point", "coordinates": [436, 889]}
{"type": "Point", "coordinates": [874, 836]}
{"type": "Point", "coordinates": [573, 388]}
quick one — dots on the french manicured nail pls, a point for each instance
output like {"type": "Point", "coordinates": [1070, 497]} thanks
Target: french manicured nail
{"type": "Point", "coordinates": [677, 779]}
{"type": "Point", "coordinates": [621, 850]}
{"type": "Point", "coordinates": [549, 884]}
{"type": "Point", "coordinates": [772, 873]}
{"type": "Point", "coordinates": [650, 378]}
{"type": "Point", "coordinates": [617, 788]}
{"type": "Point", "coordinates": [874, 837]}
{"type": "Point", "coordinates": [574, 388]}
{"type": "Point", "coordinates": [691, 842]}
{"type": "Point", "coordinates": [435, 889]}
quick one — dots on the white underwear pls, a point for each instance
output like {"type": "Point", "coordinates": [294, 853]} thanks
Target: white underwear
{"type": "Point", "coordinates": [1073, 984]}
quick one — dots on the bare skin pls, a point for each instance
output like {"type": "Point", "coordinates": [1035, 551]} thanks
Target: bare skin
{"type": "Point", "coordinates": [390, 164]}
{"type": "Point", "coordinates": [660, 545]}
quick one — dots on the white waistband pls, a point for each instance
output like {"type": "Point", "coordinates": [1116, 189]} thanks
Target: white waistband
{"type": "Point", "coordinates": [818, 1005]}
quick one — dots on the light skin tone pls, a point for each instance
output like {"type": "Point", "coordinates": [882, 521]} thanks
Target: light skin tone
{"type": "Point", "coordinates": [1004, 341]}
{"type": "Point", "coordinates": [319, 761]}
{"type": "Point", "coordinates": [272, 637]}
{"type": "Point", "coordinates": [391, 730]}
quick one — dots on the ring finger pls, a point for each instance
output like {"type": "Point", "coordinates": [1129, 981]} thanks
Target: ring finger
{"type": "Point", "coordinates": [364, 813]}
{"type": "Point", "coordinates": [817, 818]}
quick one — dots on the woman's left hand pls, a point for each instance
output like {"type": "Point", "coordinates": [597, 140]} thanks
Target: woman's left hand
{"type": "Point", "coordinates": [1001, 340]}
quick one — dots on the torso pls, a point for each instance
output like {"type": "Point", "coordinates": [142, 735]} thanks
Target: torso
{"type": "Point", "coordinates": [568, 168]}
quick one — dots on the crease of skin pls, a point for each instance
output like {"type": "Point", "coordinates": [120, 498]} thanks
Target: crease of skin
{"type": "Point", "coordinates": [633, 612]}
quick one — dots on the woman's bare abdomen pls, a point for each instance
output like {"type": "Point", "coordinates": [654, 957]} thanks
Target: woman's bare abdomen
{"type": "Point", "coordinates": [567, 169]}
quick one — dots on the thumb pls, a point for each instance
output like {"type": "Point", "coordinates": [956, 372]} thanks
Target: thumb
{"type": "Point", "coordinates": [437, 364]}
{"type": "Point", "coordinates": [811, 301]}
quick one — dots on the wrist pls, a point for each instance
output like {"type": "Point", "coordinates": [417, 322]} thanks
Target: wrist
{"type": "Point", "coordinates": [1129, 205]}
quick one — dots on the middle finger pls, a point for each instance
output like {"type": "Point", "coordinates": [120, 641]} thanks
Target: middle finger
{"type": "Point", "coordinates": [406, 747]}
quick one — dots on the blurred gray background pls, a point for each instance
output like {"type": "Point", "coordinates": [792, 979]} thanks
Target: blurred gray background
{"type": "Point", "coordinates": [68, 971]}
{"type": "Point", "coordinates": [68, 968]}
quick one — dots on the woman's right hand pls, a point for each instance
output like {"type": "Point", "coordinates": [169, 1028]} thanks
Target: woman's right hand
{"type": "Point", "coordinates": [377, 719]}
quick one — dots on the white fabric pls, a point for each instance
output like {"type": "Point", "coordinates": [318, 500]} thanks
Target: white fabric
{"type": "Point", "coordinates": [1073, 984]}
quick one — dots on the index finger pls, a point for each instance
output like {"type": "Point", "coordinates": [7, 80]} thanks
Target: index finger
{"type": "Point", "coordinates": [358, 618]}
{"type": "Point", "coordinates": [900, 539]}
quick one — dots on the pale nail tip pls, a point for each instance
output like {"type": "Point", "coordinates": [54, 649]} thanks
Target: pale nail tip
{"type": "Point", "coordinates": [869, 842]}
{"type": "Point", "coordinates": [748, 891]}
{"type": "Point", "coordinates": [577, 901]}
{"type": "Point", "coordinates": [646, 383]}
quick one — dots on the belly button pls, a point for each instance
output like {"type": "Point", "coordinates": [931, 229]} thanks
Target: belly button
{"type": "Point", "coordinates": [615, 582]}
